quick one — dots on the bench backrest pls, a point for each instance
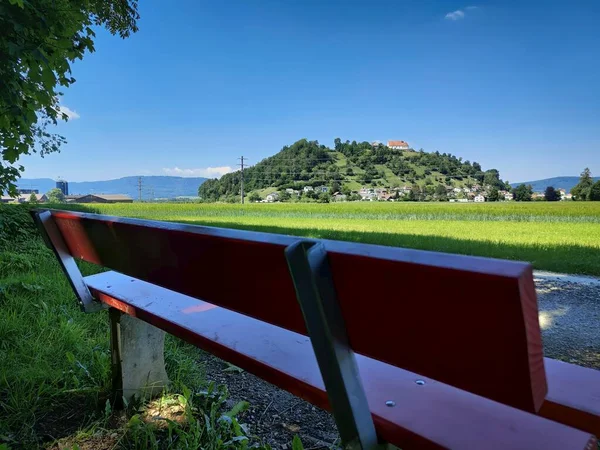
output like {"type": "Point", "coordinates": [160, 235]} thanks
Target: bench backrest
{"type": "Point", "coordinates": [469, 322]}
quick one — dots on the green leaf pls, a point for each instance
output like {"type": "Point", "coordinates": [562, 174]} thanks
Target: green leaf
{"type": "Point", "coordinates": [14, 49]}
{"type": "Point", "coordinates": [107, 410]}
{"type": "Point", "coordinates": [48, 77]}
{"type": "Point", "coordinates": [297, 443]}
{"type": "Point", "coordinates": [70, 357]}
{"type": "Point", "coordinates": [237, 409]}
{"type": "Point", "coordinates": [10, 154]}
{"type": "Point", "coordinates": [232, 368]}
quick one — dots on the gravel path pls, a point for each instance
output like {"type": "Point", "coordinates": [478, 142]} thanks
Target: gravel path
{"type": "Point", "coordinates": [569, 317]}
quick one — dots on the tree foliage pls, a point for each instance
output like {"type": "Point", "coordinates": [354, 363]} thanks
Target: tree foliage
{"type": "Point", "coordinates": [523, 193]}
{"type": "Point", "coordinates": [306, 163]}
{"type": "Point", "coordinates": [55, 196]}
{"type": "Point", "coordinates": [582, 190]}
{"type": "Point", "coordinates": [254, 197]}
{"type": "Point", "coordinates": [595, 192]}
{"type": "Point", "coordinates": [38, 42]}
{"type": "Point", "coordinates": [551, 194]}
{"type": "Point", "coordinates": [494, 195]}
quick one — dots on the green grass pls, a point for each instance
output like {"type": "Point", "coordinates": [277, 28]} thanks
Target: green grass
{"type": "Point", "coordinates": [561, 237]}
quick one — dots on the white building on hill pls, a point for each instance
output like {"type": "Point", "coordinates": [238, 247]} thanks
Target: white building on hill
{"type": "Point", "coordinates": [398, 145]}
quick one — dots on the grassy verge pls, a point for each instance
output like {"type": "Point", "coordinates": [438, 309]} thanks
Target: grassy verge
{"type": "Point", "coordinates": [55, 365]}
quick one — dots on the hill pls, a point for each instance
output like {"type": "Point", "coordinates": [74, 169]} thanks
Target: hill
{"type": "Point", "coordinates": [348, 167]}
{"type": "Point", "coordinates": [152, 186]}
{"type": "Point", "coordinates": [566, 183]}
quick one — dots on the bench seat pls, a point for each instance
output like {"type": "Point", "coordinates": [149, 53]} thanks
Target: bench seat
{"type": "Point", "coordinates": [573, 395]}
{"type": "Point", "coordinates": [430, 415]}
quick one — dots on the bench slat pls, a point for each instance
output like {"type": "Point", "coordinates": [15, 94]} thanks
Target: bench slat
{"type": "Point", "coordinates": [430, 416]}
{"type": "Point", "coordinates": [469, 322]}
{"type": "Point", "coordinates": [573, 396]}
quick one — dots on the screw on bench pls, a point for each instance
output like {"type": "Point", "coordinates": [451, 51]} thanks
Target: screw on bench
{"type": "Point", "coordinates": [390, 403]}
{"type": "Point", "coordinates": [420, 382]}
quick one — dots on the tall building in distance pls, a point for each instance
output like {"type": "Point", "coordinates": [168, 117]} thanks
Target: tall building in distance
{"type": "Point", "coordinates": [63, 186]}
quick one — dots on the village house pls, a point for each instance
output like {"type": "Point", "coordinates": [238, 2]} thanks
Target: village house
{"type": "Point", "coordinates": [272, 197]}
{"type": "Point", "coordinates": [292, 191]}
{"type": "Point", "coordinates": [508, 196]}
{"type": "Point", "coordinates": [337, 197]}
{"type": "Point", "coordinates": [323, 189]}
{"type": "Point", "coordinates": [99, 198]}
{"type": "Point", "coordinates": [308, 189]}
{"type": "Point", "coordinates": [398, 145]}
{"type": "Point", "coordinates": [457, 190]}
{"type": "Point", "coordinates": [564, 195]}
{"type": "Point", "coordinates": [479, 198]}
{"type": "Point", "coordinates": [23, 198]}
{"type": "Point", "coordinates": [367, 194]}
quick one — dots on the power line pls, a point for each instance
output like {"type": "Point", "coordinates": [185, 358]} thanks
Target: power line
{"type": "Point", "coordinates": [242, 179]}
{"type": "Point", "coordinates": [139, 182]}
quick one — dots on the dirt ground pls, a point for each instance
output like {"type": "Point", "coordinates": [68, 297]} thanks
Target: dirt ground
{"type": "Point", "coordinates": [274, 415]}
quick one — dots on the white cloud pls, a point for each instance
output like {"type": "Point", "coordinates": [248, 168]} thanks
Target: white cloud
{"type": "Point", "coordinates": [459, 14]}
{"type": "Point", "coordinates": [208, 172]}
{"type": "Point", "coordinates": [72, 115]}
{"type": "Point", "coordinates": [455, 15]}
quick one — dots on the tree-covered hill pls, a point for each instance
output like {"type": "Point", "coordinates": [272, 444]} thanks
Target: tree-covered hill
{"type": "Point", "coordinates": [348, 167]}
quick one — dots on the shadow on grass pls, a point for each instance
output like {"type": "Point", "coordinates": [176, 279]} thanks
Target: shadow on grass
{"type": "Point", "coordinates": [556, 258]}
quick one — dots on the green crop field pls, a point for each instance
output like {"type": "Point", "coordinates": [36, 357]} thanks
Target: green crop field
{"type": "Point", "coordinates": [562, 237]}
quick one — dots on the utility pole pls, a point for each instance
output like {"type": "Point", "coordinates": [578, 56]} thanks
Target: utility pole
{"type": "Point", "coordinates": [140, 189]}
{"type": "Point", "coordinates": [242, 179]}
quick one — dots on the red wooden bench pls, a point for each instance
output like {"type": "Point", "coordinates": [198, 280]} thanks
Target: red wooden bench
{"type": "Point", "coordinates": [414, 348]}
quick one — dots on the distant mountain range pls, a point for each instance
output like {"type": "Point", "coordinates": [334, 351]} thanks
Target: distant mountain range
{"type": "Point", "coordinates": [152, 186]}
{"type": "Point", "coordinates": [566, 183]}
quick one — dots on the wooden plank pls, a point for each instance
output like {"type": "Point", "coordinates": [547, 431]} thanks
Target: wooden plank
{"type": "Point", "coordinates": [469, 322]}
{"type": "Point", "coordinates": [573, 396]}
{"type": "Point", "coordinates": [432, 415]}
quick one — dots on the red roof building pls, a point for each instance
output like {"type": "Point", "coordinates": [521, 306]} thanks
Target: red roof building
{"type": "Point", "coordinates": [398, 145]}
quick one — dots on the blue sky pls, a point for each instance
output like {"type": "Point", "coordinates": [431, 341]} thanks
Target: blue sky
{"type": "Point", "coordinates": [512, 85]}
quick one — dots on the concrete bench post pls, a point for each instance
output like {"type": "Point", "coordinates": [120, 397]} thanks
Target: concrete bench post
{"type": "Point", "coordinates": [137, 358]}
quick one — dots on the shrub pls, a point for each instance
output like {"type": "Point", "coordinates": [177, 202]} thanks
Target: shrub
{"type": "Point", "coordinates": [16, 225]}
